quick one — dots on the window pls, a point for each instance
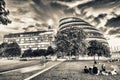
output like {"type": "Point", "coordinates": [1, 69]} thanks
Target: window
{"type": "Point", "coordinates": [36, 38]}
{"type": "Point", "coordinates": [21, 41]}
{"type": "Point", "coordinates": [21, 35]}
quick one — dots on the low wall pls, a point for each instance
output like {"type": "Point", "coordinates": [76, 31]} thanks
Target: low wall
{"type": "Point", "coordinates": [92, 58]}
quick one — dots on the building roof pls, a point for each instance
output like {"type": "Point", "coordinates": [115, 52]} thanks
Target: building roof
{"type": "Point", "coordinates": [24, 33]}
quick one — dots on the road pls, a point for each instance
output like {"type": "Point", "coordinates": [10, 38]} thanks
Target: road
{"type": "Point", "coordinates": [72, 70]}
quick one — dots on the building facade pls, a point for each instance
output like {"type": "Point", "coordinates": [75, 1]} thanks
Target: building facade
{"type": "Point", "coordinates": [92, 32]}
{"type": "Point", "coordinates": [33, 40]}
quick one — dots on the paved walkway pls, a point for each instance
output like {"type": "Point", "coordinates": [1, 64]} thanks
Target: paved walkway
{"type": "Point", "coordinates": [26, 72]}
{"type": "Point", "coordinates": [8, 65]}
{"type": "Point", "coordinates": [73, 71]}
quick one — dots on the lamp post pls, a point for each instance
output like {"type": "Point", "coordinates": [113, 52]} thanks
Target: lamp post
{"type": "Point", "coordinates": [95, 62]}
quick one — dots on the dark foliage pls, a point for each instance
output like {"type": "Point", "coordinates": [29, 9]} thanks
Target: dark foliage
{"type": "Point", "coordinates": [38, 52]}
{"type": "Point", "coordinates": [27, 53]}
{"type": "Point", "coordinates": [10, 50]}
{"type": "Point", "coordinates": [71, 41]}
{"type": "Point", "coordinates": [50, 51]}
{"type": "Point", "coordinates": [98, 48]}
{"type": "Point", "coordinates": [3, 13]}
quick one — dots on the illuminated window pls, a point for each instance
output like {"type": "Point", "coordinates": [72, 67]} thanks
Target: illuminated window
{"type": "Point", "coordinates": [36, 38]}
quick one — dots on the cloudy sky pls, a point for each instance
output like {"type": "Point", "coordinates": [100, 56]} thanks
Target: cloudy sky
{"type": "Point", "coordinates": [29, 15]}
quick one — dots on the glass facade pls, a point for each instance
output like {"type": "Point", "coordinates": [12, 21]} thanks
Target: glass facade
{"type": "Point", "coordinates": [92, 32]}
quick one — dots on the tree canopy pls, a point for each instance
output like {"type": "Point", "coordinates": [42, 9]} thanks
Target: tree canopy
{"type": "Point", "coordinates": [71, 41]}
{"type": "Point", "coordinates": [38, 52]}
{"type": "Point", "coordinates": [28, 53]}
{"type": "Point", "coordinates": [12, 49]}
{"type": "Point", "coordinates": [4, 13]}
{"type": "Point", "coordinates": [98, 48]}
{"type": "Point", "coordinates": [50, 51]}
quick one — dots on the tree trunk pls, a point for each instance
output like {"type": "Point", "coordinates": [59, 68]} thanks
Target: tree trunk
{"type": "Point", "coordinates": [98, 57]}
{"type": "Point", "coordinates": [94, 57]}
{"type": "Point", "coordinates": [69, 56]}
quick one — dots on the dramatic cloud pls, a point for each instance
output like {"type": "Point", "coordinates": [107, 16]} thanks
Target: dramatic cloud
{"type": "Point", "coordinates": [34, 15]}
{"type": "Point", "coordinates": [106, 9]}
{"type": "Point", "coordinates": [96, 12]}
{"type": "Point", "coordinates": [114, 22]}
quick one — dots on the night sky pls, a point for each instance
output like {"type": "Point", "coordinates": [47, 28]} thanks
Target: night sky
{"type": "Point", "coordinates": [35, 15]}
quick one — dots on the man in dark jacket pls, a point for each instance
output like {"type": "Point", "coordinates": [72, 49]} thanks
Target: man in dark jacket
{"type": "Point", "coordinates": [95, 69]}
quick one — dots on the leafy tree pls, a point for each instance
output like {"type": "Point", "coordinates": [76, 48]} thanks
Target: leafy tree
{"type": "Point", "coordinates": [50, 51]}
{"type": "Point", "coordinates": [3, 13]}
{"type": "Point", "coordinates": [98, 48]}
{"type": "Point", "coordinates": [42, 52]}
{"type": "Point", "coordinates": [3, 48]}
{"type": "Point", "coordinates": [71, 41]}
{"type": "Point", "coordinates": [39, 52]}
{"type": "Point", "coordinates": [12, 49]}
{"type": "Point", "coordinates": [36, 53]}
{"type": "Point", "coordinates": [27, 53]}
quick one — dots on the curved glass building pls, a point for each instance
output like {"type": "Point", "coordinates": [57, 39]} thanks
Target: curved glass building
{"type": "Point", "coordinates": [92, 32]}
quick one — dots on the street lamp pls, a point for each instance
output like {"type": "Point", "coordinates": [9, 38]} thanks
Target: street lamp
{"type": "Point", "coordinates": [50, 23]}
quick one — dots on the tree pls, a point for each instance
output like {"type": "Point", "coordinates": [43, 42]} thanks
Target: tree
{"type": "Point", "coordinates": [36, 53]}
{"type": "Point", "coordinates": [12, 49]}
{"type": "Point", "coordinates": [42, 52]}
{"type": "Point", "coordinates": [98, 48]}
{"type": "Point", "coordinates": [3, 48]}
{"type": "Point", "coordinates": [3, 13]}
{"type": "Point", "coordinates": [50, 51]}
{"type": "Point", "coordinates": [27, 53]}
{"type": "Point", "coordinates": [71, 41]}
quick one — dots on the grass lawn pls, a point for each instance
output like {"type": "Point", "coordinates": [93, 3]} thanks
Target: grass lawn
{"type": "Point", "coordinates": [68, 70]}
{"type": "Point", "coordinates": [73, 70]}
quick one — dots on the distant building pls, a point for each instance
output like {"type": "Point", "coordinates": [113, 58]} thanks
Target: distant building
{"type": "Point", "coordinates": [33, 40]}
{"type": "Point", "coordinates": [114, 44]}
{"type": "Point", "coordinates": [92, 32]}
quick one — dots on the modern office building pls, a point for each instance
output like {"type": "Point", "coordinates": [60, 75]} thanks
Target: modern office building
{"type": "Point", "coordinates": [92, 32]}
{"type": "Point", "coordinates": [33, 40]}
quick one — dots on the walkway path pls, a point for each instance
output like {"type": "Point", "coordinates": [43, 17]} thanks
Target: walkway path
{"type": "Point", "coordinates": [26, 72]}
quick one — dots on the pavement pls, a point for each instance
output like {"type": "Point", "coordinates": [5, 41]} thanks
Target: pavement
{"type": "Point", "coordinates": [6, 65]}
{"type": "Point", "coordinates": [42, 71]}
{"type": "Point", "coordinates": [26, 73]}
